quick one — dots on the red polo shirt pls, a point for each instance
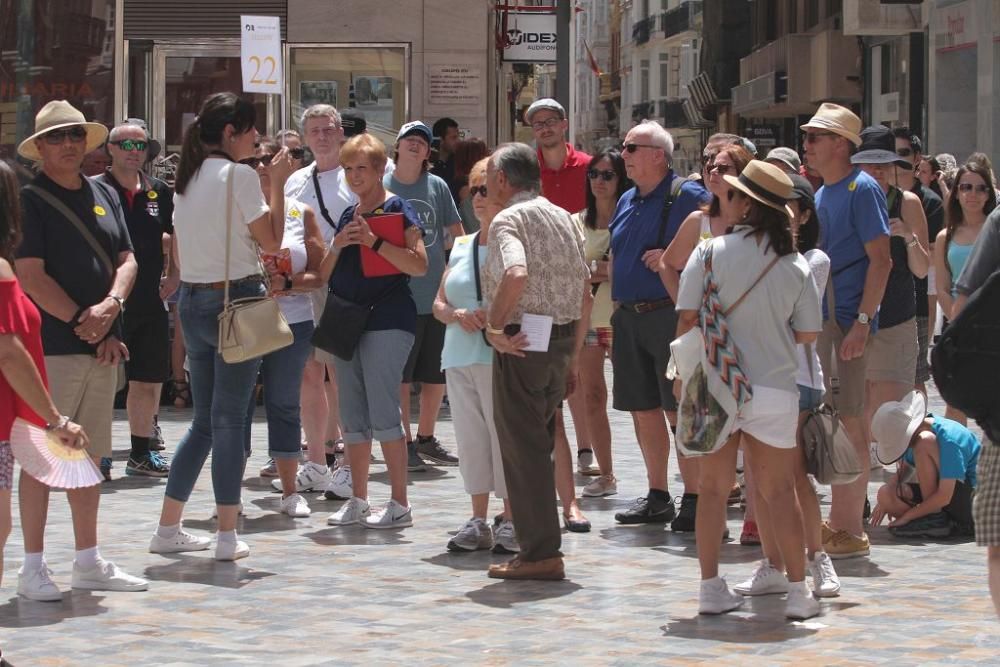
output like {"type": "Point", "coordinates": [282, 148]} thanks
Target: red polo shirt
{"type": "Point", "coordinates": [566, 187]}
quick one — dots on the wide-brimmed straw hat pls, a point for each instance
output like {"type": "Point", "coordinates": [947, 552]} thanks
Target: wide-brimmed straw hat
{"type": "Point", "coordinates": [895, 423]}
{"type": "Point", "coordinates": [57, 114]}
{"type": "Point", "coordinates": [765, 183]}
{"type": "Point", "coordinates": [878, 146]}
{"type": "Point", "coordinates": [837, 119]}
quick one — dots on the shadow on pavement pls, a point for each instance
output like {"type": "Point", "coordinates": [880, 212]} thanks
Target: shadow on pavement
{"type": "Point", "coordinates": [468, 562]}
{"type": "Point", "coordinates": [761, 620]}
{"type": "Point", "coordinates": [506, 594]}
{"type": "Point", "coordinates": [356, 536]}
{"type": "Point", "coordinates": [204, 570]}
{"type": "Point", "coordinates": [20, 612]}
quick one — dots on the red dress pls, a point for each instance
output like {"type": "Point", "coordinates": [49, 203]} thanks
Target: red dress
{"type": "Point", "coordinates": [19, 316]}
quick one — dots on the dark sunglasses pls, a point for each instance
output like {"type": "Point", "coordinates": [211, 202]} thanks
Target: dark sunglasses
{"type": "Point", "coordinates": [722, 169]}
{"type": "Point", "coordinates": [606, 174]}
{"type": "Point", "coordinates": [254, 162]}
{"type": "Point", "coordinates": [477, 190]}
{"type": "Point", "coordinates": [631, 148]}
{"type": "Point", "coordinates": [75, 134]}
{"type": "Point", "coordinates": [969, 187]}
{"type": "Point", "coordinates": [130, 145]}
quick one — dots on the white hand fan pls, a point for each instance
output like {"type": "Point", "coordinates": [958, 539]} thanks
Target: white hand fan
{"type": "Point", "coordinates": [49, 461]}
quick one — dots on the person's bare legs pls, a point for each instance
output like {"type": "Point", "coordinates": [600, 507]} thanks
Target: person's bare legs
{"type": "Point", "coordinates": [849, 499]}
{"type": "Point", "coordinates": [404, 409]}
{"type": "Point", "coordinates": [33, 507]}
{"type": "Point", "coordinates": [577, 403]}
{"type": "Point", "coordinates": [141, 403]}
{"type": "Point", "coordinates": [333, 431]}
{"type": "Point", "coordinates": [565, 485]}
{"type": "Point", "coordinates": [359, 458]}
{"type": "Point", "coordinates": [177, 353]}
{"type": "Point", "coordinates": [83, 504]}
{"type": "Point", "coordinates": [315, 410]}
{"type": "Point", "coordinates": [774, 469]}
{"type": "Point", "coordinates": [5, 524]}
{"type": "Point", "coordinates": [431, 397]}
{"type": "Point", "coordinates": [394, 453]}
{"type": "Point", "coordinates": [651, 431]}
{"type": "Point", "coordinates": [717, 471]}
{"type": "Point", "coordinates": [595, 393]}
{"type": "Point", "coordinates": [287, 469]}
{"type": "Point", "coordinates": [993, 560]}
{"type": "Point", "coordinates": [480, 505]}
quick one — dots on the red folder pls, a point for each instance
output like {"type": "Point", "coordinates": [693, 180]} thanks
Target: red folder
{"type": "Point", "coordinates": [389, 227]}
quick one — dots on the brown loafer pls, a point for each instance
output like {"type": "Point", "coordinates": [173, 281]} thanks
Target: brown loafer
{"type": "Point", "coordinates": [548, 569]}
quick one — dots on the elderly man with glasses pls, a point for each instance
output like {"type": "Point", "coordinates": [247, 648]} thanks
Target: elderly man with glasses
{"type": "Point", "coordinates": [645, 221]}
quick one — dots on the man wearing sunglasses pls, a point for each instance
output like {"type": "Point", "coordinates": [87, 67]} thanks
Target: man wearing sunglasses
{"type": "Point", "coordinates": [76, 263]}
{"type": "Point", "coordinates": [148, 206]}
{"type": "Point", "coordinates": [564, 169]}
{"type": "Point", "coordinates": [645, 321]}
{"type": "Point", "coordinates": [910, 148]}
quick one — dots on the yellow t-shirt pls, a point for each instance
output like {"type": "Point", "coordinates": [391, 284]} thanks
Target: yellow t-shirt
{"type": "Point", "coordinates": [596, 243]}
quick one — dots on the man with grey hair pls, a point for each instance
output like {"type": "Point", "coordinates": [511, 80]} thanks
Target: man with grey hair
{"type": "Point", "coordinates": [148, 206]}
{"type": "Point", "coordinates": [535, 277]}
{"type": "Point", "coordinates": [645, 221]}
{"type": "Point", "coordinates": [323, 188]}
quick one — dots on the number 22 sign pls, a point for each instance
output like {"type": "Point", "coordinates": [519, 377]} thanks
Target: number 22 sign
{"type": "Point", "coordinates": [260, 54]}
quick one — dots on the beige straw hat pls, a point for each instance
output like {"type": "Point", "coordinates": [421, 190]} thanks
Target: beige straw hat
{"type": "Point", "coordinates": [57, 114]}
{"type": "Point", "coordinates": [765, 183]}
{"type": "Point", "coordinates": [837, 119]}
{"type": "Point", "coordinates": [895, 423]}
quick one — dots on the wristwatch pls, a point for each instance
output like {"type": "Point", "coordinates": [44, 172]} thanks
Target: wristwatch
{"type": "Point", "coordinates": [117, 299]}
{"type": "Point", "coordinates": [864, 320]}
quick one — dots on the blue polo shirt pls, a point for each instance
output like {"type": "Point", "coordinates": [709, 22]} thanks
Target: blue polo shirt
{"type": "Point", "coordinates": [635, 228]}
{"type": "Point", "coordinates": [852, 212]}
{"type": "Point", "coordinates": [958, 449]}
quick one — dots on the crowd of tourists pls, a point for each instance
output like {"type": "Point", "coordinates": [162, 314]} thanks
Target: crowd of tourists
{"type": "Point", "coordinates": [513, 277]}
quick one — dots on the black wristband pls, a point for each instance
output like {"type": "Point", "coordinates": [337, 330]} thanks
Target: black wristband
{"type": "Point", "coordinates": [378, 244]}
{"type": "Point", "coordinates": [75, 322]}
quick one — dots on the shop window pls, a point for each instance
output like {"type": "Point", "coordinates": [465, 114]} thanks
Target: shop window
{"type": "Point", "coordinates": [371, 80]}
{"type": "Point", "coordinates": [52, 51]}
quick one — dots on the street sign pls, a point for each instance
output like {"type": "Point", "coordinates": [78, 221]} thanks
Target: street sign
{"type": "Point", "coordinates": [530, 38]}
{"type": "Point", "coordinates": [260, 54]}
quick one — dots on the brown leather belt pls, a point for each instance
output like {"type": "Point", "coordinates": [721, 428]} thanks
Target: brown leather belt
{"type": "Point", "coordinates": [558, 330]}
{"type": "Point", "coordinates": [221, 284]}
{"type": "Point", "coordinates": [646, 306]}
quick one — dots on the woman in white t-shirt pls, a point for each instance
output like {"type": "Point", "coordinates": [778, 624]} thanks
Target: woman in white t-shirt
{"type": "Point", "coordinates": [221, 134]}
{"type": "Point", "coordinates": [294, 277]}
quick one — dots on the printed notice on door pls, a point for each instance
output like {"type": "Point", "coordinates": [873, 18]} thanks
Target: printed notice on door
{"type": "Point", "coordinates": [448, 85]}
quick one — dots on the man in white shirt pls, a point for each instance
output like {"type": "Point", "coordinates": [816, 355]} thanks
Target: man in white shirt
{"type": "Point", "coordinates": [321, 185]}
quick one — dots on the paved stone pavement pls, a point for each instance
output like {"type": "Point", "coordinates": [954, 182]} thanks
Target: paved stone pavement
{"type": "Point", "coordinates": [311, 594]}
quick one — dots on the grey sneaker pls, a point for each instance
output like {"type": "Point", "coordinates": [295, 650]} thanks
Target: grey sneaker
{"type": "Point", "coordinates": [505, 539]}
{"type": "Point", "coordinates": [392, 515]}
{"type": "Point", "coordinates": [353, 511]}
{"type": "Point", "coordinates": [311, 477]}
{"type": "Point", "coordinates": [270, 469]}
{"type": "Point", "coordinates": [413, 461]}
{"type": "Point", "coordinates": [473, 536]}
{"type": "Point", "coordinates": [432, 450]}
{"type": "Point", "coordinates": [605, 485]}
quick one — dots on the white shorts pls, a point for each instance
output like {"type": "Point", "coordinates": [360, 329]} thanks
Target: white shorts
{"type": "Point", "coordinates": [771, 416]}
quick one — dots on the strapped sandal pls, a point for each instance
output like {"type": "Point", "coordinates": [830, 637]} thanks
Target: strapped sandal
{"type": "Point", "coordinates": [182, 394]}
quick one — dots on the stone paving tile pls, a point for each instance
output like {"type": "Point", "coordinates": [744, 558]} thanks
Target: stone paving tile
{"type": "Point", "coordinates": [311, 594]}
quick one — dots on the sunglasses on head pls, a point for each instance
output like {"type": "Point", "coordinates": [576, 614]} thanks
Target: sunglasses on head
{"type": "Point", "coordinates": [130, 145]}
{"type": "Point", "coordinates": [477, 190]}
{"type": "Point", "coordinates": [605, 174]}
{"type": "Point", "coordinates": [75, 134]}
{"type": "Point", "coordinates": [978, 188]}
{"type": "Point", "coordinates": [631, 148]}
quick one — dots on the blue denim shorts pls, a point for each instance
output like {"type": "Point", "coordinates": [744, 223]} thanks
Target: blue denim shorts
{"type": "Point", "coordinates": [809, 398]}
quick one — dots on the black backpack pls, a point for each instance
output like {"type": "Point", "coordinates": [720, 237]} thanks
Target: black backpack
{"type": "Point", "coordinates": [966, 359]}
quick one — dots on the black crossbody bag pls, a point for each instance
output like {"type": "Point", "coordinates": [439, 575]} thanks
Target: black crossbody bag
{"type": "Point", "coordinates": [479, 283]}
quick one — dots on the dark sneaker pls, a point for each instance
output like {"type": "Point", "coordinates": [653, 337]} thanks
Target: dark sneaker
{"type": "Point", "coordinates": [106, 468]}
{"type": "Point", "coordinates": [150, 465]}
{"type": "Point", "coordinates": [432, 450]}
{"type": "Point", "coordinates": [156, 443]}
{"type": "Point", "coordinates": [684, 523]}
{"type": "Point", "coordinates": [648, 510]}
{"type": "Point", "coordinates": [931, 525]}
{"type": "Point", "coordinates": [413, 461]}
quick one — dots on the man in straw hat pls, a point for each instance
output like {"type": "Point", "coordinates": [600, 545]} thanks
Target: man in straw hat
{"type": "Point", "coordinates": [76, 264]}
{"type": "Point", "coordinates": [855, 235]}
{"type": "Point", "coordinates": [936, 499]}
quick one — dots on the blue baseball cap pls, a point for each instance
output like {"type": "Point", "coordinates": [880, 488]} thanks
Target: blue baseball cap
{"type": "Point", "coordinates": [415, 127]}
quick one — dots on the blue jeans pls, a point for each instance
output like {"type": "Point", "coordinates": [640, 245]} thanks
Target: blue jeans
{"type": "Point", "coordinates": [281, 372]}
{"type": "Point", "coordinates": [220, 393]}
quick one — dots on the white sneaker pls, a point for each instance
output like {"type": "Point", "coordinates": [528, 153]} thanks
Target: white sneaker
{"type": "Point", "coordinates": [353, 511]}
{"type": "Point", "coordinates": [765, 580]}
{"type": "Point", "coordinates": [295, 505]}
{"type": "Point", "coordinates": [340, 487]}
{"type": "Point", "coordinates": [226, 550]}
{"type": "Point", "coordinates": [605, 485]}
{"type": "Point", "coordinates": [826, 584]}
{"type": "Point", "coordinates": [181, 542]}
{"type": "Point", "coordinates": [392, 515]}
{"type": "Point", "coordinates": [311, 477]}
{"type": "Point", "coordinates": [106, 576]}
{"type": "Point", "coordinates": [716, 598]}
{"type": "Point", "coordinates": [472, 536]}
{"type": "Point", "coordinates": [505, 539]}
{"type": "Point", "coordinates": [38, 585]}
{"type": "Point", "coordinates": [800, 604]}
{"type": "Point", "coordinates": [215, 510]}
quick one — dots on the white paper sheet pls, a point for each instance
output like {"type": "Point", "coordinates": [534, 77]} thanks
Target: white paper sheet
{"type": "Point", "coordinates": [538, 329]}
